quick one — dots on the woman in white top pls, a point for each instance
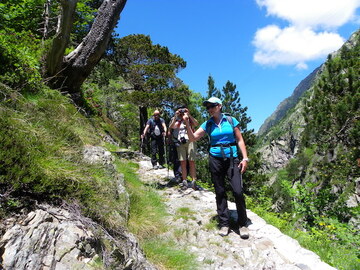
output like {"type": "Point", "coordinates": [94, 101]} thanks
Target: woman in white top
{"type": "Point", "coordinates": [186, 149]}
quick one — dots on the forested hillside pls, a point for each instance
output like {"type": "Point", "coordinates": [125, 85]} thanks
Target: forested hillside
{"type": "Point", "coordinates": [312, 154]}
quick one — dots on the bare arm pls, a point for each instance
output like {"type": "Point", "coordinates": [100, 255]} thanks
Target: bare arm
{"type": "Point", "coordinates": [241, 143]}
{"type": "Point", "coordinates": [193, 121]}
{"type": "Point", "coordinates": [193, 136]}
{"type": "Point", "coordinates": [172, 123]}
{"type": "Point", "coordinates": [145, 130]}
{"type": "Point", "coordinates": [165, 129]}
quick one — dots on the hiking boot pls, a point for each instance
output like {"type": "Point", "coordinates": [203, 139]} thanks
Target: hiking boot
{"type": "Point", "coordinates": [161, 167]}
{"type": "Point", "coordinates": [184, 184]}
{"type": "Point", "coordinates": [193, 185]}
{"type": "Point", "coordinates": [155, 167]}
{"type": "Point", "coordinates": [224, 231]}
{"type": "Point", "coordinates": [244, 232]}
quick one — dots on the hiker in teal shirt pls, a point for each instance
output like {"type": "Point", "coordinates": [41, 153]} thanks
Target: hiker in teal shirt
{"type": "Point", "coordinates": [225, 138]}
{"type": "Point", "coordinates": [222, 134]}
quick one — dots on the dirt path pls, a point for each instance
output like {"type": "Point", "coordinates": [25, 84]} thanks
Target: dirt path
{"type": "Point", "coordinates": [191, 221]}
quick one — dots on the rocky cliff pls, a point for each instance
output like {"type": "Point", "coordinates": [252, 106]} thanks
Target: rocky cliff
{"type": "Point", "coordinates": [60, 237]}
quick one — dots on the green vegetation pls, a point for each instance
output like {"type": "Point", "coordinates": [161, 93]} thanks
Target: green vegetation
{"type": "Point", "coordinates": [167, 255]}
{"type": "Point", "coordinates": [336, 243]}
{"type": "Point", "coordinates": [185, 213]}
{"type": "Point", "coordinates": [310, 195]}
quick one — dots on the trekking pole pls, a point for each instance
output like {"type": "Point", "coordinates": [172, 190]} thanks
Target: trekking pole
{"type": "Point", "coordinates": [166, 157]}
{"type": "Point", "coordinates": [141, 145]}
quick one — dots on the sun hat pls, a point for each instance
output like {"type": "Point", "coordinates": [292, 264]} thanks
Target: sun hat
{"type": "Point", "coordinates": [213, 100]}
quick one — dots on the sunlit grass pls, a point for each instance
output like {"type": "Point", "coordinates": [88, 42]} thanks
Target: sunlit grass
{"type": "Point", "coordinates": [169, 255]}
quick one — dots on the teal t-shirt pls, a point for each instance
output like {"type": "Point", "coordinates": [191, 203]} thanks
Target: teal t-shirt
{"type": "Point", "coordinates": [221, 134]}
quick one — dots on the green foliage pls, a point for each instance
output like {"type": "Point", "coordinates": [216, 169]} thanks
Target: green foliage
{"type": "Point", "coordinates": [41, 139]}
{"type": "Point", "coordinates": [92, 97]}
{"type": "Point", "coordinates": [84, 17]}
{"type": "Point", "coordinates": [13, 14]}
{"type": "Point", "coordinates": [203, 173]}
{"type": "Point", "coordinates": [336, 243]}
{"type": "Point", "coordinates": [19, 57]}
{"type": "Point", "coordinates": [212, 90]}
{"type": "Point", "coordinates": [150, 69]}
{"type": "Point", "coordinates": [314, 188]}
{"type": "Point", "coordinates": [332, 113]}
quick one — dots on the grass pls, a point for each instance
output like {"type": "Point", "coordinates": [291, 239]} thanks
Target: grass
{"type": "Point", "coordinates": [42, 136]}
{"type": "Point", "coordinates": [211, 226]}
{"type": "Point", "coordinates": [168, 255]}
{"type": "Point", "coordinates": [185, 213]}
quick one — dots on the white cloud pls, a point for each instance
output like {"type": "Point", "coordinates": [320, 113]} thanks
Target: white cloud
{"type": "Point", "coordinates": [301, 66]}
{"type": "Point", "coordinates": [292, 46]}
{"type": "Point", "coordinates": [310, 34]}
{"type": "Point", "coordinates": [312, 13]}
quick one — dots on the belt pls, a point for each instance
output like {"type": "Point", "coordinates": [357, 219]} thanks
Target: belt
{"type": "Point", "coordinates": [222, 146]}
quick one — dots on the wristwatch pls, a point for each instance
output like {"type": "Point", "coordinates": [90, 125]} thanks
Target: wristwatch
{"type": "Point", "coordinates": [246, 159]}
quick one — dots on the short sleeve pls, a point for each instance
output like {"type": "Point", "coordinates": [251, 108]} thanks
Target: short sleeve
{"type": "Point", "coordinates": [203, 126]}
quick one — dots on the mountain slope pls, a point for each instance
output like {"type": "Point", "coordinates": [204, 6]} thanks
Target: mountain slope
{"type": "Point", "coordinates": [288, 103]}
{"type": "Point", "coordinates": [312, 154]}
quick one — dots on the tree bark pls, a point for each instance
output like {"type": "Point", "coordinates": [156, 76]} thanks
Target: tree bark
{"type": "Point", "coordinates": [76, 66]}
{"type": "Point", "coordinates": [55, 55]}
{"type": "Point", "coordinates": [143, 118]}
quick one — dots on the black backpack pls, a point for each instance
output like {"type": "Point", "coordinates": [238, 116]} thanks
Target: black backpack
{"type": "Point", "coordinates": [152, 128]}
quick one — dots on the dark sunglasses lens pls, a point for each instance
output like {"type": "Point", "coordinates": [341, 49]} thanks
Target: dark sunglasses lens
{"type": "Point", "coordinates": [211, 106]}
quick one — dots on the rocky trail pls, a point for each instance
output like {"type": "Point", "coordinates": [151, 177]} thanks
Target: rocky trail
{"type": "Point", "coordinates": [192, 211]}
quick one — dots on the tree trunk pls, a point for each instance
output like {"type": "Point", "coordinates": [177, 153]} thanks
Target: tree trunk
{"type": "Point", "coordinates": [143, 118]}
{"type": "Point", "coordinates": [55, 55]}
{"type": "Point", "coordinates": [76, 66]}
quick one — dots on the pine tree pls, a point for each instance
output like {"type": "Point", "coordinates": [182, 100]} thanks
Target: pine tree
{"type": "Point", "coordinates": [212, 90]}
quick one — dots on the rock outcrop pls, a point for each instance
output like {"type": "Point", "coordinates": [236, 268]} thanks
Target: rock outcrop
{"type": "Point", "coordinates": [62, 238]}
{"type": "Point", "coordinates": [277, 149]}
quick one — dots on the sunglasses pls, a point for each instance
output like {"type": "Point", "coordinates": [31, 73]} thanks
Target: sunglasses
{"type": "Point", "coordinates": [211, 106]}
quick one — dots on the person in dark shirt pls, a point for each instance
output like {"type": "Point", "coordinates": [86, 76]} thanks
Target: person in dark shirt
{"type": "Point", "coordinates": [157, 129]}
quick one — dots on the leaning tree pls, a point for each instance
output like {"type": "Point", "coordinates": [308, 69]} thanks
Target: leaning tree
{"type": "Point", "coordinates": [68, 72]}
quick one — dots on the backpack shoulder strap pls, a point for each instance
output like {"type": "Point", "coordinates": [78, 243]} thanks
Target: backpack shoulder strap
{"type": "Point", "coordinates": [230, 120]}
{"type": "Point", "coordinates": [208, 127]}
{"type": "Point", "coordinates": [151, 122]}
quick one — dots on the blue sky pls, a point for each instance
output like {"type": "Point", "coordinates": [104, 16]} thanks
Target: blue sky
{"type": "Point", "coordinates": [265, 47]}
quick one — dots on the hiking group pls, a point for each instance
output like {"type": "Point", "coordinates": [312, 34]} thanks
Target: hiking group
{"type": "Point", "coordinates": [225, 140]}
